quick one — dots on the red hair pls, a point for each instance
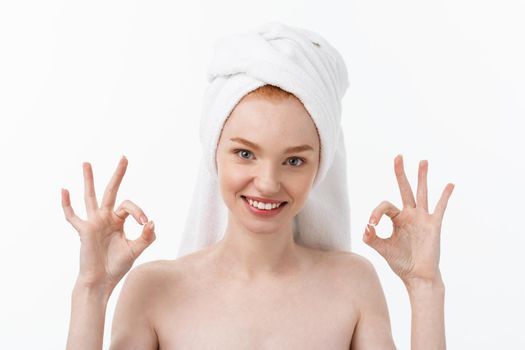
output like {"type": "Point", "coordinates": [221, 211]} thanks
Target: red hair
{"type": "Point", "coordinates": [271, 92]}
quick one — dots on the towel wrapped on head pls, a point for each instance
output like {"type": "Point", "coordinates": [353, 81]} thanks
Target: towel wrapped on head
{"type": "Point", "coordinates": [305, 64]}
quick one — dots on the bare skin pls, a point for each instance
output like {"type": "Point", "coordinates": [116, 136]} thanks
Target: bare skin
{"type": "Point", "coordinates": [192, 305]}
{"type": "Point", "coordinates": [319, 300]}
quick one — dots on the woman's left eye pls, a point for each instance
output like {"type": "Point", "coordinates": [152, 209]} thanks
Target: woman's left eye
{"type": "Point", "coordinates": [299, 159]}
{"type": "Point", "coordinates": [238, 151]}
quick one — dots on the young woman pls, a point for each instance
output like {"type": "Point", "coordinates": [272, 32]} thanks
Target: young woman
{"type": "Point", "coordinates": [257, 288]}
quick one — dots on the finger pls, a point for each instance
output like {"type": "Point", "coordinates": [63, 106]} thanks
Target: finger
{"type": "Point", "coordinates": [90, 197]}
{"type": "Point", "coordinates": [70, 215]}
{"type": "Point", "coordinates": [422, 197]}
{"type": "Point", "coordinates": [384, 208]}
{"type": "Point", "coordinates": [148, 236]}
{"type": "Point", "coordinates": [370, 237]}
{"type": "Point", "coordinates": [439, 212]}
{"type": "Point", "coordinates": [128, 207]}
{"type": "Point", "coordinates": [110, 194]}
{"type": "Point", "coordinates": [404, 186]}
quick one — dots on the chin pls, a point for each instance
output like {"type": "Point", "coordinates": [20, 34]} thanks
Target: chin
{"type": "Point", "coordinates": [259, 225]}
{"type": "Point", "coordinates": [261, 228]}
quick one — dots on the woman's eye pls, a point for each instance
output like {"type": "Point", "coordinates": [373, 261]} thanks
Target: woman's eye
{"type": "Point", "coordinates": [299, 159]}
{"type": "Point", "coordinates": [243, 151]}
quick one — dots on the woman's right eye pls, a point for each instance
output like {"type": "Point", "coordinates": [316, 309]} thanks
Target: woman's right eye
{"type": "Point", "coordinates": [242, 151]}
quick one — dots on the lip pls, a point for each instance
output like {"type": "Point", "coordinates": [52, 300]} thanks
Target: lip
{"type": "Point", "coordinates": [262, 212]}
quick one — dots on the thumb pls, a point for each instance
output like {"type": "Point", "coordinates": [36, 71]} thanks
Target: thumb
{"type": "Point", "coordinates": [146, 238]}
{"type": "Point", "coordinates": [370, 237]}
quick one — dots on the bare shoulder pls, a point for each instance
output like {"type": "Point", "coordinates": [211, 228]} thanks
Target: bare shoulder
{"type": "Point", "coordinates": [352, 264]}
{"type": "Point", "coordinates": [155, 267]}
{"type": "Point", "coordinates": [357, 274]}
{"type": "Point", "coordinates": [133, 323]}
{"type": "Point", "coordinates": [157, 275]}
{"type": "Point", "coordinates": [162, 277]}
{"type": "Point", "coordinates": [152, 273]}
{"type": "Point", "coordinates": [145, 283]}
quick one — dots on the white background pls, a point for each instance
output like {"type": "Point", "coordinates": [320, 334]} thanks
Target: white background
{"type": "Point", "coordinates": [93, 80]}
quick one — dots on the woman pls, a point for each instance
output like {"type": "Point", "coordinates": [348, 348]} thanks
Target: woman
{"type": "Point", "coordinates": [259, 285]}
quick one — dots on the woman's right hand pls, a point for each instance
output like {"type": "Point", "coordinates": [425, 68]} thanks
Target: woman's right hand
{"type": "Point", "coordinates": [106, 255]}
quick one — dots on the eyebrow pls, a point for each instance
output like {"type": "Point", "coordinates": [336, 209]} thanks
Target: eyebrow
{"type": "Point", "coordinates": [293, 149]}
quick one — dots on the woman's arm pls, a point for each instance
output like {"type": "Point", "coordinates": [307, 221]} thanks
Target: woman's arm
{"type": "Point", "coordinates": [106, 255]}
{"type": "Point", "coordinates": [88, 312]}
{"type": "Point", "coordinates": [427, 300]}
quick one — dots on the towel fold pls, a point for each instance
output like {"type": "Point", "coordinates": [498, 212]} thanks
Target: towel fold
{"type": "Point", "coordinates": [305, 64]}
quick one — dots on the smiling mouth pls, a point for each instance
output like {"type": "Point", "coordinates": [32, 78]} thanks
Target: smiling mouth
{"type": "Point", "coordinates": [281, 205]}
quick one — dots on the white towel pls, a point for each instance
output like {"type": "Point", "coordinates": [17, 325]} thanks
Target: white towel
{"type": "Point", "coordinates": [305, 64]}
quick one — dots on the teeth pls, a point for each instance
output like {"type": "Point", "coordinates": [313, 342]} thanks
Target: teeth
{"type": "Point", "coordinates": [263, 206]}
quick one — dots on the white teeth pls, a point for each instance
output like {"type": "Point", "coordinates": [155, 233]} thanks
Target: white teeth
{"type": "Point", "coordinates": [263, 206]}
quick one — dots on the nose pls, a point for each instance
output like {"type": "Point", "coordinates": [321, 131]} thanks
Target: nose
{"type": "Point", "coordinates": [267, 181]}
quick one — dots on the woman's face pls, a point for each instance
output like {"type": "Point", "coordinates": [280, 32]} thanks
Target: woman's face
{"type": "Point", "coordinates": [261, 166]}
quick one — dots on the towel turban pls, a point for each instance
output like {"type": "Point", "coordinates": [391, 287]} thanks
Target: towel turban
{"type": "Point", "coordinates": [303, 63]}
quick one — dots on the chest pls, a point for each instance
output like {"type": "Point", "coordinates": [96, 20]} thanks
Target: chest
{"type": "Point", "coordinates": [310, 314]}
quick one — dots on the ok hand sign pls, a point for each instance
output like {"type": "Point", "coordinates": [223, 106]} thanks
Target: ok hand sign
{"type": "Point", "coordinates": [106, 255]}
{"type": "Point", "coordinates": [413, 249]}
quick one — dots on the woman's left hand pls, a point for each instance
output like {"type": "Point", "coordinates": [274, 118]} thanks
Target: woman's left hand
{"type": "Point", "coordinates": [412, 251]}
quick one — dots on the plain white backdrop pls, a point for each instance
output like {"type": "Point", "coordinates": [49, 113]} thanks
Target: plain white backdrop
{"type": "Point", "coordinates": [91, 81]}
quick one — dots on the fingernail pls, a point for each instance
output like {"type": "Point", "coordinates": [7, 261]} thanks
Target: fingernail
{"type": "Point", "coordinates": [143, 219]}
{"type": "Point", "coordinates": [152, 225]}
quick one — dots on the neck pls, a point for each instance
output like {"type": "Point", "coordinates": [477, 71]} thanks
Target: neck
{"type": "Point", "coordinates": [250, 256]}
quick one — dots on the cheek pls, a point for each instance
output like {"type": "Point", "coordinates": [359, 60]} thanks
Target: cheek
{"type": "Point", "coordinates": [231, 180]}
{"type": "Point", "coordinates": [301, 186]}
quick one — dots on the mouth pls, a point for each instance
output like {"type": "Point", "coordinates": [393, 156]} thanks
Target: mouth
{"type": "Point", "coordinates": [264, 212]}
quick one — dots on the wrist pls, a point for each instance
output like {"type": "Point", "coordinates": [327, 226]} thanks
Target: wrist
{"type": "Point", "coordinates": [430, 282]}
{"type": "Point", "coordinates": [95, 290]}
{"type": "Point", "coordinates": [421, 286]}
